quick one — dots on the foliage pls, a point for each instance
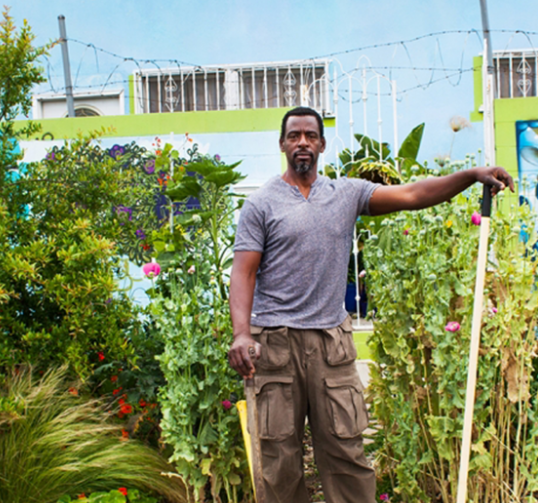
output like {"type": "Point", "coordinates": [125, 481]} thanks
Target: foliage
{"type": "Point", "coordinates": [421, 277]}
{"type": "Point", "coordinates": [190, 312]}
{"type": "Point", "coordinates": [372, 160]}
{"type": "Point", "coordinates": [18, 74]}
{"type": "Point", "coordinates": [54, 442]}
{"type": "Point", "coordinates": [134, 386]}
{"type": "Point", "coordinates": [59, 267]}
{"type": "Point", "coordinates": [121, 495]}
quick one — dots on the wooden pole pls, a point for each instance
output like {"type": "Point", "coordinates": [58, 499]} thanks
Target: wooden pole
{"type": "Point", "coordinates": [256, 450]}
{"type": "Point", "coordinates": [475, 345]}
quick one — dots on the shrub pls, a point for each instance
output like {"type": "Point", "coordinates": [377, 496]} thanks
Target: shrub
{"type": "Point", "coordinates": [54, 442]}
{"type": "Point", "coordinates": [190, 312]}
{"type": "Point", "coordinates": [421, 277]}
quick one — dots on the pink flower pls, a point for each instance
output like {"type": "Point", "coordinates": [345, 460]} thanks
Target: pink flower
{"type": "Point", "coordinates": [152, 269]}
{"type": "Point", "coordinates": [191, 269]}
{"type": "Point", "coordinates": [405, 233]}
{"type": "Point", "coordinates": [494, 310]}
{"type": "Point", "coordinates": [384, 497]}
{"type": "Point", "coordinates": [476, 218]}
{"type": "Point", "coordinates": [362, 274]}
{"type": "Point", "coordinates": [227, 404]}
{"type": "Point", "coordinates": [452, 326]}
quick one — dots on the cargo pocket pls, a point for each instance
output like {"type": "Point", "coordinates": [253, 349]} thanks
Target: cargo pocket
{"type": "Point", "coordinates": [275, 346]}
{"type": "Point", "coordinates": [275, 407]}
{"type": "Point", "coordinates": [346, 406]}
{"type": "Point", "coordinates": [339, 345]}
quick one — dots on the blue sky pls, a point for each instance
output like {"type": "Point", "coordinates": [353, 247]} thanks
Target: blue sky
{"type": "Point", "coordinates": [241, 31]}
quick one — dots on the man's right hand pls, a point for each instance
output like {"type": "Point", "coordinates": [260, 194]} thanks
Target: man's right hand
{"type": "Point", "coordinates": [239, 357]}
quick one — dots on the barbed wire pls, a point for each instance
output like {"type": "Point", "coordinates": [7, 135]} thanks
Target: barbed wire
{"type": "Point", "coordinates": [147, 103]}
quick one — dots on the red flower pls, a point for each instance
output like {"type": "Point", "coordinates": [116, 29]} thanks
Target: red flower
{"type": "Point", "coordinates": [114, 378]}
{"type": "Point", "coordinates": [152, 405]}
{"type": "Point", "coordinates": [227, 404]}
{"type": "Point", "coordinates": [145, 247]}
{"type": "Point", "coordinates": [101, 356]}
{"type": "Point", "coordinates": [126, 409]}
{"type": "Point", "coordinates": [73, 391]}
{"type": "Point", "coordinates": [124, 434]}
{"type": "Point", "coordinates": [120, 415]}
{"type": "Point", "coordinates": [142, 403]}
{"type": "Point", "coordinates": [123, 491]}
{"type": "Point", "coordinates": [116, 391]}
{"type": "Point", "coordinates": [121, 401]}
{"type": "Point", "coordinates": [81, 496]}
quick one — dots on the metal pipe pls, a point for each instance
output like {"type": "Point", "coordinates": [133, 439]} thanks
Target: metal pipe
{"type": "Point", "coordinates": [67, 69]}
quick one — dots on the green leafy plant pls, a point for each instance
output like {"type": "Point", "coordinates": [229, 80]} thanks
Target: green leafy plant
{"type": "Point", "coordinates": [60, 266]}
{"type": "Point", "coordinates": [189, 310]}
{"type": "Point", "coordinates": [19, 72]}
{"type": "Point", "coordinates": [421, 277]}
{"type": "Point", "coordinates": [53, 442]}
{"type": "Point", "coordinates": [121, 495]}
{"type": "Point", "coordinates": [372, 161]}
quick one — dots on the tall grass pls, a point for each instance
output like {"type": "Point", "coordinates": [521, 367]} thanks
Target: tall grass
{"type": "Point", "coordinates": [53, 443]}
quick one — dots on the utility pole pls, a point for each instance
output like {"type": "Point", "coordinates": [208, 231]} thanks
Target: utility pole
{"type": "Point", "coordinates": [67, 69]}
{"type": "Point", "coordinates": [488, 88]}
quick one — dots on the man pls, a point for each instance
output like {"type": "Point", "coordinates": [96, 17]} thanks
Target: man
{"type": "Point", "coordinates": [286, 300]}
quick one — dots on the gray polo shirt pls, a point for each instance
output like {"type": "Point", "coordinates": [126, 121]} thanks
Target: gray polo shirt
{"type": "Point", "coordinates": [305, 246]}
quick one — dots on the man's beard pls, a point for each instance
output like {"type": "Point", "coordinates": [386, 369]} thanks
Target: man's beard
{"type": "Point", "coordinates": [302, 167]}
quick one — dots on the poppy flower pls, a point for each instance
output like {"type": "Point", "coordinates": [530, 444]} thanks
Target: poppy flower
{"type": "Point", "coordinates": [123, 491]}
{"type": "Point", "coordinates": [126, 409]}
{"type": "Point", "coordinates": [114, 378]}
{"type": "Point", "coordinates": [452, 326]}
{"type": "Point", "coordinates": [151, 269]}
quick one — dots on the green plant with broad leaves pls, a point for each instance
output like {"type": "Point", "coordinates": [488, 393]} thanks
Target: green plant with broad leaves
{"type": "Point", "coordinates": [55, 443]}
{"type": "Point", "coordinates": [372, 160]}
{"type": "Point", "coordinates": [189, 310]}
{"type": "Point", "coordinates": [421, 276]}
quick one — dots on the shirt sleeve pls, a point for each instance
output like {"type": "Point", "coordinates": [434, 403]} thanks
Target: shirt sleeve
{"type": "Point", "coordinates": [363, 192]}
{"type": "Point", "coordinates": [250, 235]}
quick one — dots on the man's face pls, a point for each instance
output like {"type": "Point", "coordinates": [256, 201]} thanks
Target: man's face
{"type": "Point", "coordinates": [302, 143]}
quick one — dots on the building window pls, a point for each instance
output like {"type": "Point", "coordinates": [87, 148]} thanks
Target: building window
{"type": "Point", "coordinates": [515, 73]}
{"type": "Point", "coordinates": [263, 85]}
{"type": "Point", "coordinates": [85, 111]}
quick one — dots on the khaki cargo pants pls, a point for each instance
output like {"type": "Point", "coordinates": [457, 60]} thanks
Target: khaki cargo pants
{"type": "Point", "coordinates": [311, 373]}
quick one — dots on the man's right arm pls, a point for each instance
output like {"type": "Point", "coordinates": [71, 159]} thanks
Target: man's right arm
{"type": "Point", "coordinates": [242, 283]}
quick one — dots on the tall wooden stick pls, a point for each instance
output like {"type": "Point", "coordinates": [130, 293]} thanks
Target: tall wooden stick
{"type": "Point", "coordinates": [256, 450]}
{"type": "Point", "coordinates": [475, 345]}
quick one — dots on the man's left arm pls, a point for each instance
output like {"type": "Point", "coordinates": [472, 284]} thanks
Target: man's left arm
{"type": "Point", "coordinates": [435, 190]}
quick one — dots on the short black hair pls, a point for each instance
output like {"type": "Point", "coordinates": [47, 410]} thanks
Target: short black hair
{"type": "Point", "coordinates": [301, 111]}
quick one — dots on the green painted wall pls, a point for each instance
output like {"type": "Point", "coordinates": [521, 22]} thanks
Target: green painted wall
{"type": "Point", "coordinates": [222, 121]}
{"type": "Point", "coordinates": [361, 343]}
{"type": "Point", "coordinates": [507, 112]}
